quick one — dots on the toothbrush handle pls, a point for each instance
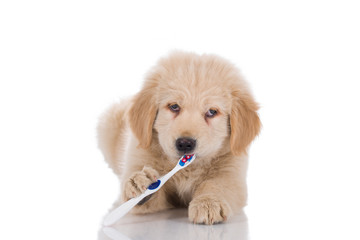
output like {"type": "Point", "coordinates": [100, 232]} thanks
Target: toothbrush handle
{"type": "Point", "coordinates": [169, 175]}
{"type": "Point", "coordinates": [122, 210]}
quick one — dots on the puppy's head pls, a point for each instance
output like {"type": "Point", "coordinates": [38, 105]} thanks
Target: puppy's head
{"type": "Point", "coordinates": [195, 104]}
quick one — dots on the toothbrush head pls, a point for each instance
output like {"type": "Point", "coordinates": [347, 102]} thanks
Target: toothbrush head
{"type": "Point", "coordinates": [186, 160]}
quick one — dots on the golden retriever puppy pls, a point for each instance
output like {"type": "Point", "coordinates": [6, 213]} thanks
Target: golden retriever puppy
{"type": "Point", "coordinates": [188, 104]}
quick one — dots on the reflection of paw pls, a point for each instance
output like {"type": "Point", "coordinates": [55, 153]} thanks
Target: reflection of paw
{"type": "Point", "coordinates": [208, 210]}
{"type": "Point", "coordinates": [139, 182]}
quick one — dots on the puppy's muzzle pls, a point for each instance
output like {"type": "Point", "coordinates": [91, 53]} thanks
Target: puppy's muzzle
{"type": "Point", "coordinates": [185, 145]}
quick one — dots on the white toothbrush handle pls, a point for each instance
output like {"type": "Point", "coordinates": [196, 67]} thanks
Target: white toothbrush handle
{"type": "Point", "coordinates": [122, 210]}
{"type": "Point", "coordinates": [169, 175]}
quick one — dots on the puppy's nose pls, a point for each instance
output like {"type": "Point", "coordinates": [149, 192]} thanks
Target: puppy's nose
{"type": "Point", "coordinates": [185, 144]}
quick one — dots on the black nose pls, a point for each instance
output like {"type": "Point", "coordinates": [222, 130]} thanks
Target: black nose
{"type": "Point", "coordinates": [185, 144]}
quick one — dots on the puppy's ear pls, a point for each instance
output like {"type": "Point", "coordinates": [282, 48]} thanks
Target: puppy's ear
{"type": "Point", "coordinates": [142, 114]}
{"type": "Point", "coordinates": [244, 122]}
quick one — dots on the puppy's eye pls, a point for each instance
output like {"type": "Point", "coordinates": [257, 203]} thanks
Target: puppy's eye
{"type": "Point", "coordinates": [174, 108]}
{"type": "Point", "coordinates": [211, 113]}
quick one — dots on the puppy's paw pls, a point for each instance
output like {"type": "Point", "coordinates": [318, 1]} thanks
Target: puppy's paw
{"type": "Point", "coordinates": [139, 182]}
{"type": "Point", "coordinates": [208, 210]}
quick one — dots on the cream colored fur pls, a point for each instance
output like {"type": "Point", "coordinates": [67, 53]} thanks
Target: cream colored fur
{"type": "Point", "coordinates": [137, 137]}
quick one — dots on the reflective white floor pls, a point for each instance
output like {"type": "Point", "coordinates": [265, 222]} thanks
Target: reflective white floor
{"type": "Point", "coordinates": [270, 222]}
{"type": "Point", "coordinates": [173, 224]}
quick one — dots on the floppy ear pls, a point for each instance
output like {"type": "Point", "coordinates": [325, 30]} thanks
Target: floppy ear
{"type": "Point", "coordinates": [142, 114]}
{"type": "Point", "coordinates": [244, 122]}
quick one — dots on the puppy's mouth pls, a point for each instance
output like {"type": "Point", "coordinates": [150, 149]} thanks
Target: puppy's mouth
{"type": "Point", "coordinates": [185, 145]}
{"type": "Point", "coordinates": [180, 154]}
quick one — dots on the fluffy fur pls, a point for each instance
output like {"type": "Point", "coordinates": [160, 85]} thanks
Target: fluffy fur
{"type": "Point", "coordinates": [137, 137]}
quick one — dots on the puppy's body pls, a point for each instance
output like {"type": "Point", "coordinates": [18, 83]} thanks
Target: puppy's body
{"type": "Point", "coordinates": [185, 96]}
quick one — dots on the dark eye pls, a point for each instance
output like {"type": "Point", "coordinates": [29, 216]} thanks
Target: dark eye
{"type": "Point", "coordinates": [211, 113]}
{"type": "Point", "coordinates": [174, 108]}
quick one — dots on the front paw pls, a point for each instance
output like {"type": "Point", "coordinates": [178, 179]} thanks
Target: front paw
{"type": "Point", "coordinates": [139, 182]}
{"type": "Point", "coordinates": [208, 210]}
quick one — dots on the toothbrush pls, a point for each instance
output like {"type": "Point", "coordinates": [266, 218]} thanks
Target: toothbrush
{"type": "Point", "coordinates": [119, 212]}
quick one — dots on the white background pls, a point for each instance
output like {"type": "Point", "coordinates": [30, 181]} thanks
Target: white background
{"type": "Point", "coordinates": [63, 62]}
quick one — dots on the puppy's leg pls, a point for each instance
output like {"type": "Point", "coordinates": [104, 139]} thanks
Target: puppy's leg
{"type": "Point", "coordinates": [214, 202]}
{"type": "Point", "coordinates": [137, 184]}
